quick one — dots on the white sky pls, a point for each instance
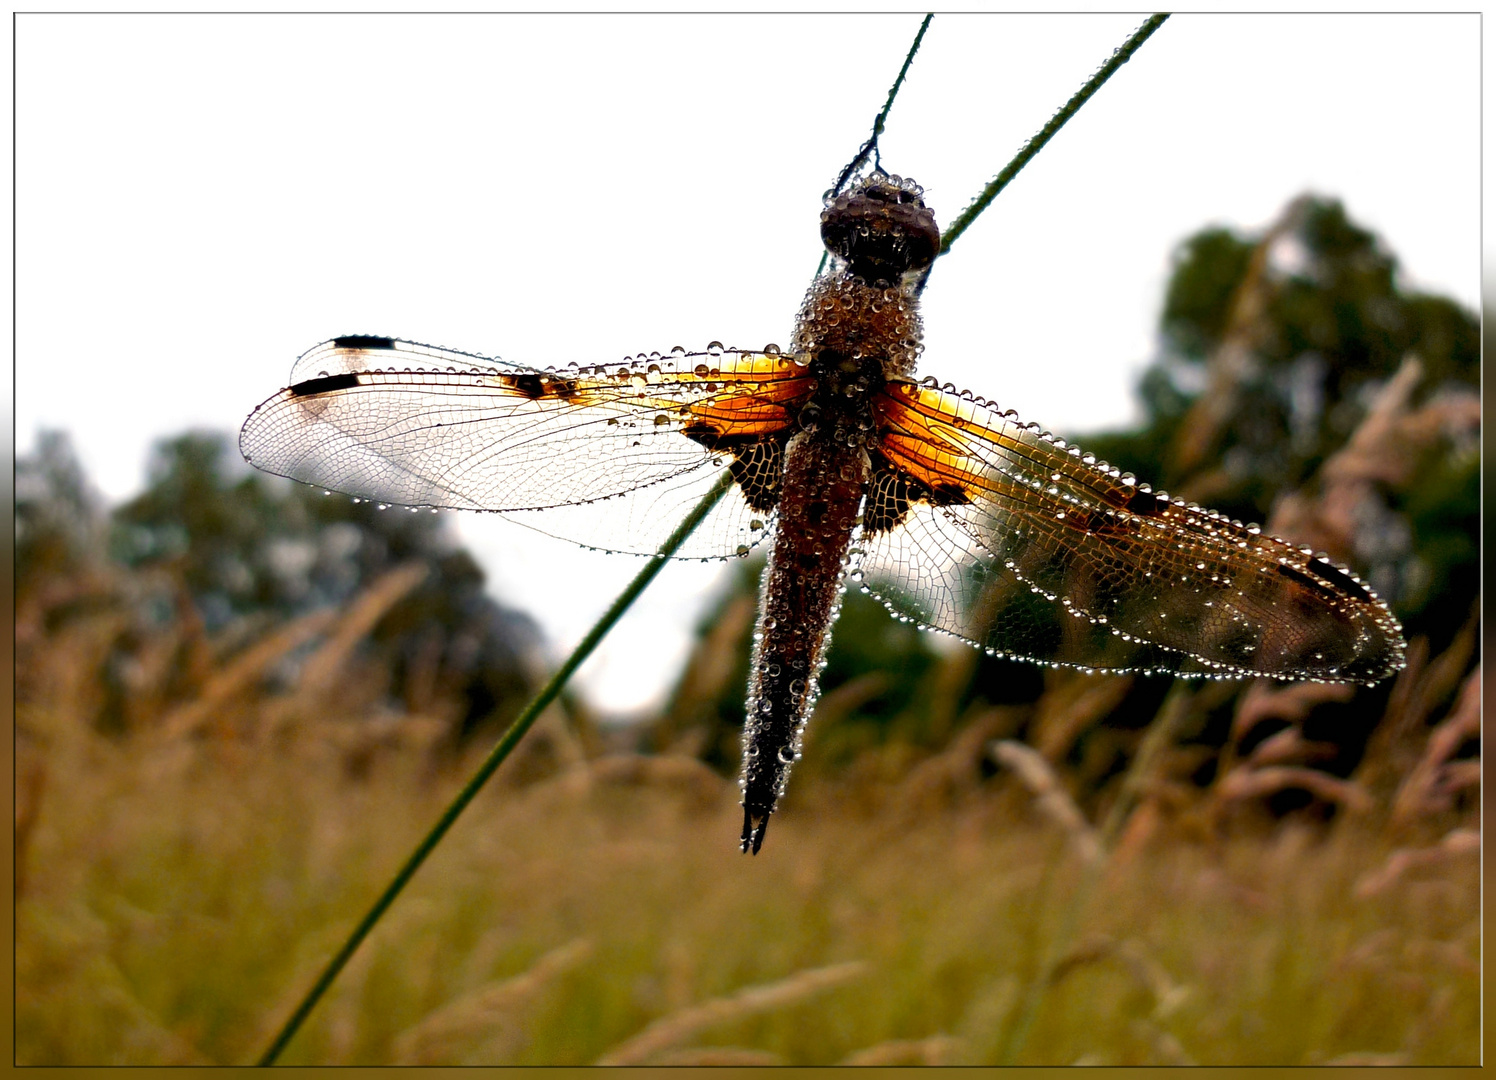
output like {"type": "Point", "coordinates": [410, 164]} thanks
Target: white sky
{"type": "Point", "coordinates": [202, 198]}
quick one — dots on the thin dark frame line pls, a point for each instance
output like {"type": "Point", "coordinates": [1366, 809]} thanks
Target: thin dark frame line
{"type": "Point", "coordinates": [15, 760]}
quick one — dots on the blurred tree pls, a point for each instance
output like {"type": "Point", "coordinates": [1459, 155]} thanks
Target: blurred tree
{"type": "Point", "coordinates": [247, 546]}
{"type": "Point", "coordinates": [1275, 349]}
{"type": "Point", "coordinates": [60, 523]}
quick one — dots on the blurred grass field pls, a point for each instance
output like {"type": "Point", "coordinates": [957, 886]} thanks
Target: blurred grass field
{"type": "Point", "coordinates": [179, 894]}
{"type": "Point", "coordinates": [240, 705]}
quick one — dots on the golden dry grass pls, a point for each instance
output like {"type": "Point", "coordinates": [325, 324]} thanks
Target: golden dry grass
{"type": "Point", "coordinates": [181, 896]}
{"type": "Point", "coordinates": [180, 885]}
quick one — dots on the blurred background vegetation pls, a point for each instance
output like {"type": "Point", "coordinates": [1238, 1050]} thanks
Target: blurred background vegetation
{"type": "Point", "coordinates": [239, 703]}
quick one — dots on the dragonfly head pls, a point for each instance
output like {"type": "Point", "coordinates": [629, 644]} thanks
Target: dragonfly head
{"type": "Point", "coordinates": [881, 229]}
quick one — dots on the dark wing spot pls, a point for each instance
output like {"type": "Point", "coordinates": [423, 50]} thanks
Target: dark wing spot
{"type": "Point", "coordinates": [890, 493]}
{"type": "Point", "coordinates": [1146, 504]}
{"type": "Point", "coordinates": [949, 495]}
{"type": "Point", "coordinates": [1091, 520]}
{"type": "Point", "coordinates": [1294, 574]}
{"type": "Point", "coordinates": [758, 468]}
{"type": "Point", "coordinates": [324, 384]}
{"type": "Point", "coordinates": [705, 434]}
{"type": "Point", "coordinates": [1337, 577]}
{"type": "Point", "coordinates": [530, 385]}
{"type": "Point", "coordinates": [363, 341]}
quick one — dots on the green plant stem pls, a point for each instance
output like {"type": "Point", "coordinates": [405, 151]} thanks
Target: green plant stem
{"type": "Point", "coordinates": [1156, 739]}
{"type": "Point", "coordinates": [871, 146]}
{"type": "Point", "coordinates": [878, 122]}
{"type": "Point", "coordinates": [495, 758]}
{"type": "Point", "coordinates": [1034, 145]}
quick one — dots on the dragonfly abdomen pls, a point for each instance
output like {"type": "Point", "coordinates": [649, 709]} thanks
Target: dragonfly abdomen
{"type": "Point", "coordinates": [858, 327]}
{"type": "Point", "coordinates": [799, 599]}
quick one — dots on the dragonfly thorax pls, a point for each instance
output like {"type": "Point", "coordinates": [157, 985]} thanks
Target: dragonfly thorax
{"type": "Point", "coordinates": [863, 316]}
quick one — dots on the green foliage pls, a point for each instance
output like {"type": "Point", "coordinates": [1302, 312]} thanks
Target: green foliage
{"type": "Point", "coordinates": [1334, 326]}
{"type": "Point", "coordinates": [59, 517]}
{"type": "Point", "coordinates": [1316, 309]}
{"type": "Point", "coordinates": [243, 541]}
{"type": "Point", "coordinates": [1442, 506]}
{"type": "Point", "coordinates": [1319, 324]}
{"type": "Point", "coordinates": [1207, 268]}
{"type": "Point", "coordinates": [248, 549]}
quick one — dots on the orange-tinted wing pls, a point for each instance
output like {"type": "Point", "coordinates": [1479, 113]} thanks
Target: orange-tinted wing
{"type": "Point", "coordinates": [611, 456]}
{"type": "Point", "coordinates": [1005, 536]}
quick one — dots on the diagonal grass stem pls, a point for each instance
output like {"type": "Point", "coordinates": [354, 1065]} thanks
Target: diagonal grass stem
{"type": "Point", "coordinates": [1047, 132]}
{"type": "Point", "coordinates": [1140, 773]}
{"type": "Point", "coordinates": [871, 146]}
{"type": "Point", "coordinates": [495, 758]}
{"type": "Point", "coordinates": [549, 692]}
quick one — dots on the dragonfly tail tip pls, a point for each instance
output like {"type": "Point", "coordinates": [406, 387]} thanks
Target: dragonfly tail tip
{"type": "Point", "coordinates": [754, 827]}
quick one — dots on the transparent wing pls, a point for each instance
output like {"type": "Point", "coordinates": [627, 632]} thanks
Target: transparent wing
{"type": "Point", "coordinates": [610, 456]}
{"type": "Point", "coordinates": [1001, 534]}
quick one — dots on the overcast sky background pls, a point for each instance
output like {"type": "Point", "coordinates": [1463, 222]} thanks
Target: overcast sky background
{"type": "Point", "coordinates": [202, 198]}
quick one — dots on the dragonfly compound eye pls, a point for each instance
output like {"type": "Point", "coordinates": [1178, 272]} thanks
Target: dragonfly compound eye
{"type": "Point", "coordinates": [882, 231]}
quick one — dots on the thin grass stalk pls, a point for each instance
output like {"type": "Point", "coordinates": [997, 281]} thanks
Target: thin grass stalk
{"type": "Point", "coordinates": [1156, 739]}
{"type": "Point", "coordinates": [674, 1029]}
{"type": "Point", "coordinates": [1047, 132]}
{"type": "Point", "coordinates": [625, 599]}
{"type": "Point", "coordinates": [871, 146]}
{"type": "Point", "coordinates": [495, 758]}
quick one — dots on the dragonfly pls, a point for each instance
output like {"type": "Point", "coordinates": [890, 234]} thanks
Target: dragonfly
{"type": "Point", "coordinates": [851, 471]}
